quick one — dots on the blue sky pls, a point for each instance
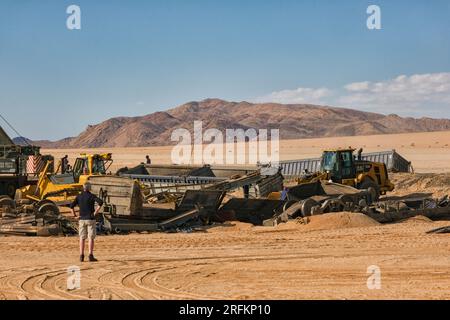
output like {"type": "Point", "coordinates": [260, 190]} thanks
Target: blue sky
{"type": "Point", "coordinates": [136, 57]}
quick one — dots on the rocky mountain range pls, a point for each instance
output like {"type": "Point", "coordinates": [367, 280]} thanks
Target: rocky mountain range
{"type": "Point", "coordinates": [295, 121]}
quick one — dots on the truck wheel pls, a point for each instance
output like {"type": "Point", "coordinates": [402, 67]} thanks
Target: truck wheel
{"type": "Point", "coordinates": [373, 188]}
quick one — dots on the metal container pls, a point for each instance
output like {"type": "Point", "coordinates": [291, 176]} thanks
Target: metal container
{"type": "Point", "coordinates": [394, 162]}
{"type": "Point", "coordinates": [297, 167]}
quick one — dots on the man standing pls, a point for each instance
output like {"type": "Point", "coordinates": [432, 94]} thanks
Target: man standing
{"type": "Point", "coordinates": [87, 228]}
{"type": "Point", "coordinates": [148, 160]}
{"type": "Point", "coordinates": [64, 164]}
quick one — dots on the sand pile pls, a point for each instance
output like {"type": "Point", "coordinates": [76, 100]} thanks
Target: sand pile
{"type": "Point", "coordinates": [328, 221]}
{"type": "Point", "coordinates": [338, 220]}
{"type": "Point", "coordinates": [417, 219]}
{"type": "Point", "coordinates": [230, 226]}
{"type": "Point", "coordinates": [436, 183]}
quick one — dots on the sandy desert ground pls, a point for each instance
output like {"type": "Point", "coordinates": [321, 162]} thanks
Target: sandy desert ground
{"type": "Point", "coordinates": [326, 258]}
{"type": "Point", "coordinates": [428, 151]}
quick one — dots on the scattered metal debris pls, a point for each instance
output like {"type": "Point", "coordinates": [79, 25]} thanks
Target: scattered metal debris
{"type": "Point", "coordinates": [395, 210]}
{"type": "Point", "coordinates": [29, 220]}
{"type": "Point", "coordinates": [173, 198]}
{"type": "Point", "coordinates": [256, 181]}
{"type": "Point", "coordinates": [440, 230]}
{"type": "Point", "coordinates": [195, 208]}
{"type": "Point", "coordinates": [254, 211]}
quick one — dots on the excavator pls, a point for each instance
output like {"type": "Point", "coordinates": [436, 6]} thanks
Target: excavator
{"type": "Point", "coordinates": [342, 166]}
{"type": "Point", "coordinates": [60, 189]}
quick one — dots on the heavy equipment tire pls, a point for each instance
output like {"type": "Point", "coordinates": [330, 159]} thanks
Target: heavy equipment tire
{"type": "Point", "coordinates": [373, 188]}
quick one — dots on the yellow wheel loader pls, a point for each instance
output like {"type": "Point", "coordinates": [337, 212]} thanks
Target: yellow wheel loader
{"type": "Point", "coordinates": [342, 166]}
{"type": "Point", "coordinates": [61, 189]}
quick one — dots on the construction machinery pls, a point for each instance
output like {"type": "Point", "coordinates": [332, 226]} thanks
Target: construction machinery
{"type": "Point", "coordinates": [13, 164]}
{"type": "Point", "coordinates": [61, 189]}
{"type": "Point", "coordinates": [343, 167]}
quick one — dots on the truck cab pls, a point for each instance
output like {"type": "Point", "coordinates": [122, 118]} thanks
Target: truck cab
{"type": "Point", "coordinates": [88, 165]}
{"type": "Point", "coordinates": [339, 164]}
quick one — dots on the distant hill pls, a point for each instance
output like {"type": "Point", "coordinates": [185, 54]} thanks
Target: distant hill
{"type": "Point", "coordinates": [22, 141]}
{"type": "Point", "coordinates": [295, 121]}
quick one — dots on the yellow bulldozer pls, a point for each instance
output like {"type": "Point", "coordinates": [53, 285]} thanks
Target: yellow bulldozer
{"type": "Point", "coordinates": [342, 166]}
{"type": "Point", "coordinates": [60, 189]}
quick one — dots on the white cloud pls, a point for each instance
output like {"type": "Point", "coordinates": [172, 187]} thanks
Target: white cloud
{"type": "Point", "coordinates": [299, 95]}
{"type": "Point", "coordinates": [415, 95]}
{"type": "Point", "coordinates": [357, 86]}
